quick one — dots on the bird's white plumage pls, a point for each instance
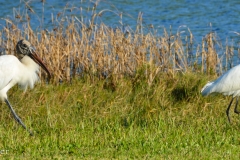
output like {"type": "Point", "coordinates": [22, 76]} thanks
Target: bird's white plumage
{"type": "Point", "coordinates": [227, 84]}
{"type": "Point", "coordinates": [24, 73]}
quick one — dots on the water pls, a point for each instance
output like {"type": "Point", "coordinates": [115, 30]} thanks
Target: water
{"type": "Point", "coordinates": [201, 17]}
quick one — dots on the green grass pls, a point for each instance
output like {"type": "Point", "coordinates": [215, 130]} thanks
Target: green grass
{"type": "Point", "coordinates": [123, 119]}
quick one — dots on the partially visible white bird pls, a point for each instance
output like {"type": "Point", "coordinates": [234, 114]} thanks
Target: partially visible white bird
{"type": "Point", "coordinates": [23, 72]}
{"type": "Point", "coordinates": [227, 84]}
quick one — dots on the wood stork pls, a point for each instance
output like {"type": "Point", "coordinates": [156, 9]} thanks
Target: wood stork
{"type": "Point", "coordinates": [23, 71]}
{"type": "Point", "coordinates": [227, 84]}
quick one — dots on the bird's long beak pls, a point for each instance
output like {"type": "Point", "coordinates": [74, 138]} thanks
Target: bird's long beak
{"type": "Point", "coordinates": [38, 60]}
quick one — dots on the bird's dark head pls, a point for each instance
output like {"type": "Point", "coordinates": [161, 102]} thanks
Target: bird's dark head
{"type": "Point", "coordinates": [24, 48]}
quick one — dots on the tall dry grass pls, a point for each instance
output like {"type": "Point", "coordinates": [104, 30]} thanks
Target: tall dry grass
{"type": "Point", "coordinates": [95, 49]}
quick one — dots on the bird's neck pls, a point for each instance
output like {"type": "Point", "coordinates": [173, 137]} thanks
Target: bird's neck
{"type": "Point", "coordinates": [30, 64]}
{"type": "Point", "coordinates": [30, 69]}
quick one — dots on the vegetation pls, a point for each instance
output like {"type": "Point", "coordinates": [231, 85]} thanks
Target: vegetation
{"type": "Point", "coordinates": [118, 95]}
{"type": "Point", "coordinates": [124, 119]}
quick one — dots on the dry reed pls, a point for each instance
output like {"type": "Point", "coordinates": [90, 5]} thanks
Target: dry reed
{"type": "Point", "coordinates": [97, 50]}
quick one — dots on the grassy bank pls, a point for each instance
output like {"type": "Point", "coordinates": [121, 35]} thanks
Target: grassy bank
{"type": "Point", "coordinates": [94, 119]}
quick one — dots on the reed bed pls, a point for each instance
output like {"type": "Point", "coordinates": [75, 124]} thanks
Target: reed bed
{"type": "Point", "coordinates": [76, 48]}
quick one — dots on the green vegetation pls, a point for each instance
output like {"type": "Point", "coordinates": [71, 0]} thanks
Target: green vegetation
{"type": "Point", "coordinates": [128, 118]}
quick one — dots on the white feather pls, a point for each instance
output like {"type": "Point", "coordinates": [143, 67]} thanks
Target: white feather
{"type": "Point", "coordinates": [227, 84]}
{"type": "Point", "coordinates": [12, 71]}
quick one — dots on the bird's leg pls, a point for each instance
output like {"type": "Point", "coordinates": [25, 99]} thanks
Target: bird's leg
{"type": "Point", "coordinates": [16, 117]}
{"type": "Point", "coordinates": [235, 109]}
{"type": "Point", "coordinates": [227, 111]}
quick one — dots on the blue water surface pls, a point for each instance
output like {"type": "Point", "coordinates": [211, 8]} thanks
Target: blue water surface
{"type": "Point", "coordinates": [201, 17]}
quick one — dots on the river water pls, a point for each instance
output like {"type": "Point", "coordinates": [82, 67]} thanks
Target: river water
{"type": "Point", "coordinates": [201, 17]}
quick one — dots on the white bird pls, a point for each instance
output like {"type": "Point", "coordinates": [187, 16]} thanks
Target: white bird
{"type": "Point", "coordinates": [227, 84]}
{"type": "Point", "coordinates": [23, 71]}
